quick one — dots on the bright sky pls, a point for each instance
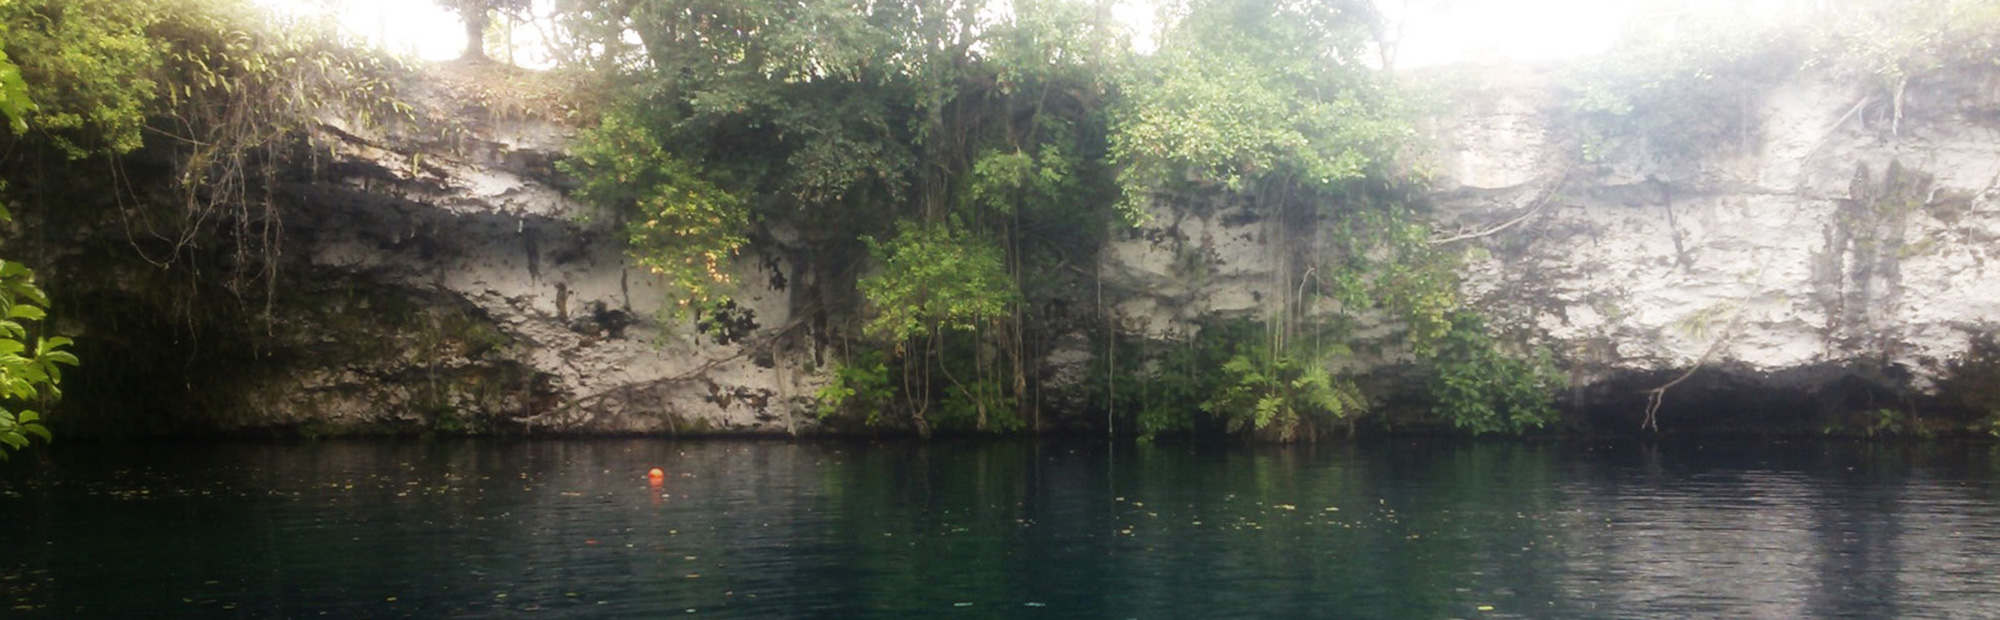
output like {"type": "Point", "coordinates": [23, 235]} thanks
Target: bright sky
{"type": "Point", "coordinates": [1440, 32]}
{"type": "Point", "coordinates": [1435, 32]}
{"type": "Point", "coordinates": [420, 28]}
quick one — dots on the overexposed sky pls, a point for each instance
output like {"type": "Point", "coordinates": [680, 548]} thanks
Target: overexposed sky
{"type": "Point", "coordinates": [1441, 32]}
{"type": "Point", "coordinates": [418, 28]}
{"type": "Point", "coordinates": [1434, 32]}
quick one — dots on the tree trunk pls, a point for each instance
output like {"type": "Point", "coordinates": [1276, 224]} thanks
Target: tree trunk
{"type": "Point", "coordinates": [475, 35]}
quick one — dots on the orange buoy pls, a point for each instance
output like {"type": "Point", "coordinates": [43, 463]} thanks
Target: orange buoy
{"type": "Point", "coordinates": [656, 475]}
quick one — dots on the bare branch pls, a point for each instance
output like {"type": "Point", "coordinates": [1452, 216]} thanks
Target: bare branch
{"type": "Point", "coordinates": [1537, 207]}
{"type": "Point", "coordinates": [1858, 106]}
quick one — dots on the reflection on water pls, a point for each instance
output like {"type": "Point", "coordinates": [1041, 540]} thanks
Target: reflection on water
{"type": "Point", "coordinates": [572, 529]}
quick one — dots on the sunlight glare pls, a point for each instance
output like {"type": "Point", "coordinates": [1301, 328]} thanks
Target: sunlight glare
{"type": "Point", "coordinates": [1431, 32]}
{"type": "Point", "coordinates": [418, 28]}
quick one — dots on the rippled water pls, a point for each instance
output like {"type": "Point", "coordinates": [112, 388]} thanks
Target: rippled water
{"type": "Point", "coordinates": [1406, 530]}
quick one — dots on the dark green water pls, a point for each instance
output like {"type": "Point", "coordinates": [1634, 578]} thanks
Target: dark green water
{"type": "Point", "coordinates": [1408, 530]}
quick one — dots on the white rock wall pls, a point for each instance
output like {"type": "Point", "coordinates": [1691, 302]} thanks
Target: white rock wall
{"type": "Point", "coordinates": [547, 272]}
{"type": "Point", "coordinates": [1757, 260]}
{"type": "Point", "coordinates": [1744, 259]}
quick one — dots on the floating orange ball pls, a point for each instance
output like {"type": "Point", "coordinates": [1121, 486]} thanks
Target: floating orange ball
{"type": "Point", "coordinates": [656, 474]}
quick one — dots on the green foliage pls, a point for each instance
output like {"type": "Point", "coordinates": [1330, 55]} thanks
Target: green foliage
{"type": "Point", "coordinates": [678, 225]}
{"type": "Point", "coordinates": [1163, 404]}
{"type": "Point", "coordinates": [1482, 390]}
{"type": "Point", "coordinates": [1002, 181]}
{"type": "Point", "coordinates": [982, 405]}
{"type": "Point", "coordinates": [104, 71]}
{"type": "Point", "coordinates": [147, 163]}
{"type": "Point", "coordinates": [1989, 425]}
{"type": "Point", "coordinates": [1386, 261]}
{"type": "Point", "coordinates": [1882, 422]}
{"type": "Point", "coordinates": [1884, 43]}
{"type": "Point", "coordinates": [1170, 399]}
{"type": "Point", "coordinates": [958, 145]}
{"type": "Point", "coordinates": [15, 103]}
{"type": "Point", "coordinates": [936, 285]}
{"type": "Point", "coordinates": [860, 386]}
{"type": "Point", "coordinates": [934, 278]}
{"type": "Point", "coordinates": [224, 93]}
{"type": "Point", "coordinates": [1225, 379]}
{"type": "Point", "coordinates": [803, 102]}
{"type": "Point", "coordinates": [1246, 91]}
{"type": "Point", "coordinates": [92, 66]}
{"type": "Point", "coordinates": [1283, 395]}
{"type": "Point", "coordinates": [28, 374]}
{"type": "Point", "coordinates": [1276, 105]}
{"type": "Point", "coordinates": [1971, 384]}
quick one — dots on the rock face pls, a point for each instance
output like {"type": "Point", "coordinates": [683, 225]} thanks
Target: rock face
{"type": "Point", "coordinates": [527, 314]}
{"type": "Point", "coordinates": [1833, 259]}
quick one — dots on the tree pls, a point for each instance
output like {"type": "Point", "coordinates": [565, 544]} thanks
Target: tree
{"type": "Point", "coordinates": [678, 224]}
{"type": "Point", "coordinates": [477, 15]}
{"type": "Point", "coordinates": [935, 282]}
{"type": "Point", "coordinates": [954, 136]}
{"type": "Point", "coordinates": [27, 374]}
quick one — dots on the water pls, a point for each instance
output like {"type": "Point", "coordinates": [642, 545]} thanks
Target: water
{"type": "Point", "coordinates": [1404, 530]}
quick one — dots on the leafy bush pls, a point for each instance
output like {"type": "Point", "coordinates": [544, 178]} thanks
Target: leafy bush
{"type": "Point", "coordinates": [678, 224]}
{"type": "Point", "coordinates": [934, 277]}
{"type": "Point", "coordinates": [860, 386]}
{"type": "Point", "coordinates": [28, 375]}
{"type": "Point", "coordinates": [1244, 92]}
{"type": "Point", "coordinates": [981, 405]}
{"type": "Point", "coordinates": [1286, 396]}
{"type": "Point", "coordinates": [1482, 390]}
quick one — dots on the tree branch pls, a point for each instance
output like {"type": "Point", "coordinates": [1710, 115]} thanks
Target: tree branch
{"type": "Point", "coordinates": [1532, 210]}
{"type": "Point", "coordinates": [1858, 106]}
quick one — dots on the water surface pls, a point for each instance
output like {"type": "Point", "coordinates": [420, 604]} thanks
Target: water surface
{"type": "Point", "coordinates": [1400, 530]}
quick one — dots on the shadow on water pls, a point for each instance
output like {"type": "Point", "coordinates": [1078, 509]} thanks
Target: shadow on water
{"type": "Point", "coordinates": [1400, 529]}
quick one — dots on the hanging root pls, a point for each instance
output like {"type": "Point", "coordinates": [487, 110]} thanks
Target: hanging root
{"type": "Point", "coordinates": [1655, 395]}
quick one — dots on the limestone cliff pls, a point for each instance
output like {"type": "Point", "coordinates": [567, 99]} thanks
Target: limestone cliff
{"type": "Point", "coordinates": [1834, 259]}
{"type": "Point", "coordinates": [519, 310]}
